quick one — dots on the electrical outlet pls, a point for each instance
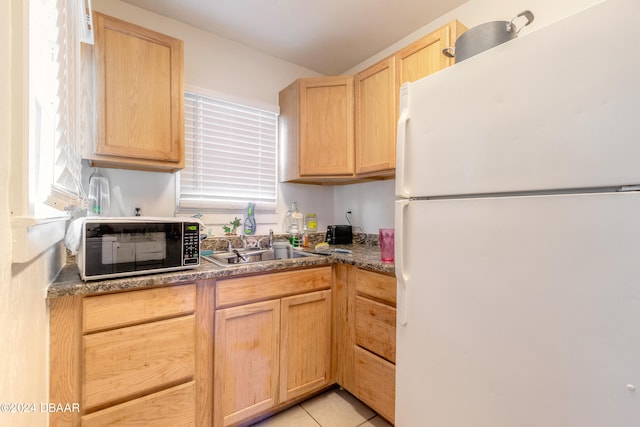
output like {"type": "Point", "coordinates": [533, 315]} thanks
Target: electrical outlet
{"type": "Point", "coordinates": [349, 216]}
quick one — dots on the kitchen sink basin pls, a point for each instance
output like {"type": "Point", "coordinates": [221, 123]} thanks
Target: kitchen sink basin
{"type": "Point", "coordinates": [248, 256]}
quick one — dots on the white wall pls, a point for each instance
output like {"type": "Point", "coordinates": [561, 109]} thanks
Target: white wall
{"type": "Point", "coordinates": [24, 331]}
{"type": "Point", "coordinates": [371, 204]}
{"type": "Point", "coordinates": [231, 69]}
{"type": "Point", "coordinates": [374, 201]}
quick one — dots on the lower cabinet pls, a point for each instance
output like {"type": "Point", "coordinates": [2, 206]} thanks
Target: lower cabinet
{"type": "Point", "coordinates": [129, 358]}
{"type": "Point", "coordinates": [169, 356]}
{"type": "Point", "coordinates": [367, 337]}
{"type": "Point", "coordinates": [175, 406]}
{"type": "Point", "coordinates": [305, 356]}
{"type": "Point", "coordinates": [245, 368]}
{"type": "Point", "coordinates": [269, 352]}
{"type": "Point", "coordinates": [375, 382]}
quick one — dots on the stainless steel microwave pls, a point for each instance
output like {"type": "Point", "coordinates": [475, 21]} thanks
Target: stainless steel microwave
{"type": "Point", "coordinates": [119, 247]}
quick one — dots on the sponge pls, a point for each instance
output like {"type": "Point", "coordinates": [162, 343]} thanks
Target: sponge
{"type": "Point", "coordinates": [322, 248]}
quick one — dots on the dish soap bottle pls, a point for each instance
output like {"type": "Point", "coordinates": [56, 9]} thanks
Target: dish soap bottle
{"type": "Point", "coordinates": [250, 222]}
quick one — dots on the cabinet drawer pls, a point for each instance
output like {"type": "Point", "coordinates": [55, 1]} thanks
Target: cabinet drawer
{"type": "Point", "coordinates": [375, 382]}
{"type": "Point", "coordinates": [244, 290]}
{"type": "Point", "coordinates": [128, 308]}
{"type": "Point", "coordinates": [376, 327]}
{"type": "Point", "coordinates": [172, 407]}
{"type": "Point", "coordinates": [376, 285]}
{"type": "Point", "coordinates": [130, 361]}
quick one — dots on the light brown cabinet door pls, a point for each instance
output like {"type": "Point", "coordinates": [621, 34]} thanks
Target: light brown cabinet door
{"type": "Point", "coordinates": [375, 118]}
{"type": "Point", "coordinates": [117, 310]}
{"type": "Point", "coordinates": [316, 130]}
{"type": "Point", "coordinates": [326, 126]}
{"type": "Point", "coordinates": [139, 90]}
{"type": "Point", "coordinates": [174, 407]}
{"type": "Point", "coordinates": [376, 327]}
{"type": "Point", "coordinates": [375, 382]}
{"type": "Point", "coordinates": [425, 56]}
{"type": "Point", "coordinates": [122, 363]}
{"type": "Point", "coordinates": [246, 361]}
{"type": "Point", "coordinates": [305, 351]}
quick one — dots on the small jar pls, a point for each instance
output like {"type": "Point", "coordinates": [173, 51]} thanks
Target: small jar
{"type": "Point", "coordinates": [294, 237]}
{"type": "Point", "coordinates": [311, 222]}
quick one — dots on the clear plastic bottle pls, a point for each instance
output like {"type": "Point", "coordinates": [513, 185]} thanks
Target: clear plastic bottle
{"type": "Point", "coordinates": [99, 195]}
{"type": "Point", "coordinates": [293, 221]}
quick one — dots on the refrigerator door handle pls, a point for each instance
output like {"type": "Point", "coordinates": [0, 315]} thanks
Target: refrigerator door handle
{"type": "Point", "coordinates": [401, 274]}
{"type": "Point", "coordinates": [401, 165]}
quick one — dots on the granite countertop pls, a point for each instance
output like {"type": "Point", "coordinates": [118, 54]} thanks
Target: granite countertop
{"type": "Point", "coordinates": [68, 281]}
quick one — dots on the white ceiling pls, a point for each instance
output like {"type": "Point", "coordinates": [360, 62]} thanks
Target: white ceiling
{"type": "Point", "coordinates": [327, 36]}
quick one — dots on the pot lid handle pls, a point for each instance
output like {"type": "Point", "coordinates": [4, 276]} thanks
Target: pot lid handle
{"type": "Point", "coordinates": [527, 14]}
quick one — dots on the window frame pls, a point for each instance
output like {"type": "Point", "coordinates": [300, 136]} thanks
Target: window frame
{"type": "Point", "coordinates": [227, 206]}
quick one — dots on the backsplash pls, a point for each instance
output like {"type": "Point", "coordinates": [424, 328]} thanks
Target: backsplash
{"type": "Point", "coordinates": [220, 243]}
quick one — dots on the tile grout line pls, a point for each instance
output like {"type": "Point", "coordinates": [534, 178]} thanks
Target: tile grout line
{"type": "Point", "coordinates": [367, 420]}
{"type": "Point", "coordinates": [308, 413]}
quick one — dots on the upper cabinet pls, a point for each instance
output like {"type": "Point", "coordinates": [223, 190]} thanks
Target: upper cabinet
{"type": "Point", "coordinates": [138, 84]}
{"type": "Point", "coordinates": [316, 130]}
{"type": "Point", "coordinates": [325, 139]}
{"type": "Point", "coordinates": [375, 118]}
{"type": "Point", "coordinates": [424, 56]}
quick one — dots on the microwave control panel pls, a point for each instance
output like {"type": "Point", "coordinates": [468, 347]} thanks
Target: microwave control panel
{"type": "Point", "coordinates": [191, 243]}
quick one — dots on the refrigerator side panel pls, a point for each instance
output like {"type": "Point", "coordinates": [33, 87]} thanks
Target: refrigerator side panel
{"type": "Point", "coordinates": [521, 311]}
{"type": "Point", "coordinates": [553, 109]}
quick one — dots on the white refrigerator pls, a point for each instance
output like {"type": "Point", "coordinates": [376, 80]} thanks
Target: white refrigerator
{"type": "Point", "coordinates": [518, 232]}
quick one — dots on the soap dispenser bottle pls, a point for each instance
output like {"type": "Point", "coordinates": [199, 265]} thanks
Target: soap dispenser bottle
{"type": "Point", "coordinates": [250, 221]}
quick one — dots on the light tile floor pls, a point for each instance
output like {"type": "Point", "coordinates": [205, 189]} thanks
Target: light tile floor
{"type": "Point", "coordinates": [334, 408]}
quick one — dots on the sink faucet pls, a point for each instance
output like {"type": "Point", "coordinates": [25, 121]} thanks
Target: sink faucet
{"type": "Point", "coordinates": [229, 245]}
{"type": "Point", "coordinates": [270, 237]}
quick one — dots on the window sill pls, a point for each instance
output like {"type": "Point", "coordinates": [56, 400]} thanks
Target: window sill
{"type": "Point", "coordinates": [33, 234]}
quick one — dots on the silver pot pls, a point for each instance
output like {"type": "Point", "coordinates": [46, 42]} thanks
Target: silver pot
{"type": "Point", "coordinates": [485, 36]}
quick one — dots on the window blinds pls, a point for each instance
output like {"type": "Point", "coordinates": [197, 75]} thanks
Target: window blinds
{"type": "Point", "coordinates": [55, 152]}
{"type": "Point", "coordinates": [67, 164]}
{"type": "Point", "coordinates": [230, 155]}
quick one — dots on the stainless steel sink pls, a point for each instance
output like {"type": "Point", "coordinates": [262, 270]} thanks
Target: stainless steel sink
{"type": "Point", "coordinates": [248, 256]}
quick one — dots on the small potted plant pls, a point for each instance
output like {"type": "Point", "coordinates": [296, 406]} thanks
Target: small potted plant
{"type": "Point", "coordinates": [230, 230]}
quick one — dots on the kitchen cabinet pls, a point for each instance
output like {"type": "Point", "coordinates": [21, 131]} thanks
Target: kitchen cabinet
{"type": "Point", "coordinates": [246, 361]}
{"type": "Point", "coordinates": [138, 85]}
{"type": "Point", "coordinates": [424, 56]}
{"type": "Point", "coordinates": [316, 128]}
{"type": "Point", "coordinates": [366, 326]}
{"type": "Point", "coordinates": [341, 130]}
{"type": "Point", "coordinates": [131, 356]}
{"type": "Point", "coordinates": [375, 119]}
{"type": "Point", "coordinates": [305, 356]}
{"type": "Point", "coordinates": [272, 342]}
